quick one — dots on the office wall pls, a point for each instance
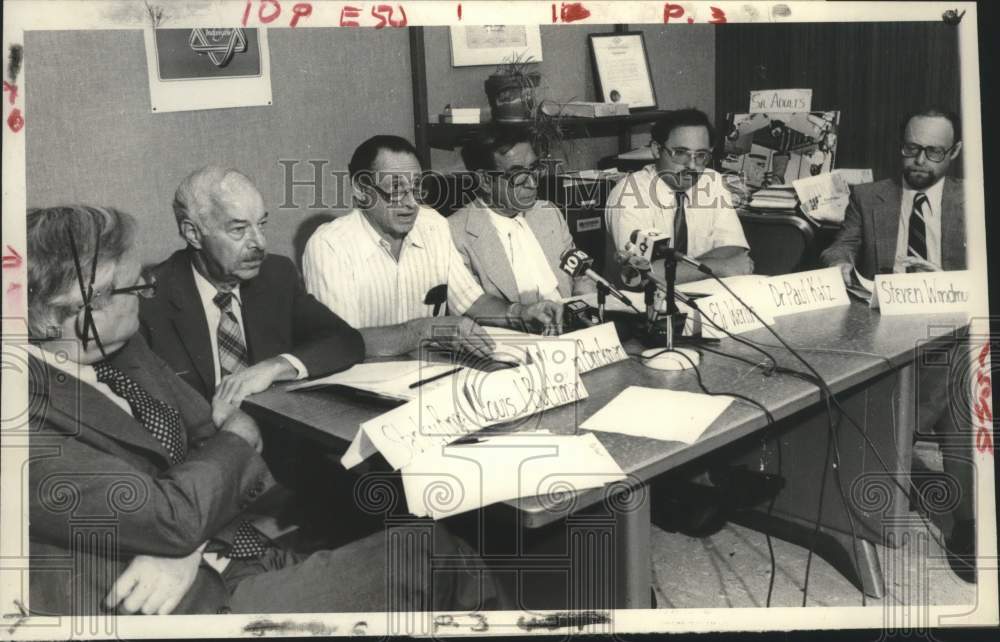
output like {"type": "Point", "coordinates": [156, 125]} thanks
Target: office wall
{"type": "Point", "coordinates": [91, 136]}
{"type": "Point", "coordinates": [874, 73]}
{"type": "Point", "coordinates": [681, 57]}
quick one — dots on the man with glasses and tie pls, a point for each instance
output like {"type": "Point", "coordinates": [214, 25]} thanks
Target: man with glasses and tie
{"type": "Point", "coordinates": [230, 318]}
{"type": "Point", "coordinates": [139, 488]}
{"type": "Point", "coordinates": [681, 197]}
{"type": "Point", "coordinates": [915, 224]}
{"type": "Point", "coordinates": [389, 267]}
{"type": "Point", "coordinates": [511, 241]}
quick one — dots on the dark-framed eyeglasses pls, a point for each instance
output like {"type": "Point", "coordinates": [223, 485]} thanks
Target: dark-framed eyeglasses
{"type": "Point", "coordinates": [518, 176]}
{"type": "Point", "coordinates": [933, 154]}
{"type": "Point", "coordinates": [398, 194]}
{"type": "Point", "coordinates": [683, 155]}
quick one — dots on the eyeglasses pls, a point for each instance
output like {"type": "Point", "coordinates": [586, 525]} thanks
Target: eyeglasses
{"type": "Point", "coordinates": [933, 154]}
{"type": "Point", "coordinates": [683, 156]}
{"type": "Point", "coordinates": [86, 329]}
{"type": "Point", "coordinates": [398, 194]}
{"type": "Point", "coordinates": [518, 176]}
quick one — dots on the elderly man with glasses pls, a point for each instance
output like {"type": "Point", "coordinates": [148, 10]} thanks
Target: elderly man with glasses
{"type": "Point", "coordinates": [143, 488]}
{"type": "Point", "coordinates": [511, 241]}
{"type": "Point", "coordinates": [679, 196]}
{"type": "Point", "coordinates": [915, 222]}
{"type": "Point", "coordinates": [390, 268]}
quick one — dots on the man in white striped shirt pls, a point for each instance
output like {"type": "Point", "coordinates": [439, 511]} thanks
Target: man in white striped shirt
{"type": "Point", "coordinates": [389, 266]}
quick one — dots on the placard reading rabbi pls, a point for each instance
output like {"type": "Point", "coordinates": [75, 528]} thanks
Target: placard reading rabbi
{"type": "Point", "coordinates": [923, 293]}
{"type": "Point", "coordinates": [807, 291]}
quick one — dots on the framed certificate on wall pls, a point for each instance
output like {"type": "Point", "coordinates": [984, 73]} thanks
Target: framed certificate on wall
{"type": "Point", "coordinates": [621, 69]}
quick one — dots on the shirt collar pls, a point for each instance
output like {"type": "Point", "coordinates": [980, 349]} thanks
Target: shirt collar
{"type": "Point", "coordinates": [934, 194]}
{"type": "Point", "coordinates": [207, 291]}
{"type": "Point", "coordinates": [414, 237]}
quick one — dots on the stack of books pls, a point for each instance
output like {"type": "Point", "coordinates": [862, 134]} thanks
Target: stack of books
{"type": "Point", "coordinates": [776, 197]}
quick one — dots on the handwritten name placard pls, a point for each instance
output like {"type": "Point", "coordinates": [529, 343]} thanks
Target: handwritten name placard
{"type": "Point", "coordinates": [807, 291]}
{"type": "Point", "coordinates": [725, 311]}
{"type": "Point", "coordinates": [596, 347]}
{"type": "Point", "coordinates": [922, 293]}
{"type": "Point", "coordinates": [474, 400]}
{"type": "Point", "coordinates": [781, 100]}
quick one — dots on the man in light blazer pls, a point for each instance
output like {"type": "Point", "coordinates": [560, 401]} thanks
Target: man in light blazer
{"type": "Point", "coordinates": [915, 222]}
{"type": "Point", "coordinates": [511, 241]}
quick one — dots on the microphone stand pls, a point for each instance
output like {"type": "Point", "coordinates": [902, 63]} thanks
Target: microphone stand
{"type": "Point", "coordinates": [668, 358]}
{"type": "Point", "coordinates": [602, 298]}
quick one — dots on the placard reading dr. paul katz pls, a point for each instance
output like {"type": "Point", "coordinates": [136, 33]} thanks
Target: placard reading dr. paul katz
{"type": "Point", "coordinates": [207, 68]}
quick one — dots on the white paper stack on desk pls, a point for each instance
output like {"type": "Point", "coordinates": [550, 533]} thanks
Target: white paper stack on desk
{"type": "Point", "coordinates": [392, 379]}
{"type": "Point", "coordinates": [776, 197]}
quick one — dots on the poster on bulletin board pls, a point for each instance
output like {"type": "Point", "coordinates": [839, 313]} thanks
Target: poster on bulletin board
{"type": "Point", "coordinates": [207, 68]}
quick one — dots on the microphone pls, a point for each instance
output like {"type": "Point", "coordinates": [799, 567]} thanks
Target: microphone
{"type": "Point", "coordinates": [577, 263]}
{"type": "Point", "coordinates": [698, 265]}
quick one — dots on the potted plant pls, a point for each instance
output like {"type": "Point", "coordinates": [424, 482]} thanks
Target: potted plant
{"type": "Point", "coordinates": [511, 90]}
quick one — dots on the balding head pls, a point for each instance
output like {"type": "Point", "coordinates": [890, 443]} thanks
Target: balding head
{"type": "Point", "coordinates": [221, 215]}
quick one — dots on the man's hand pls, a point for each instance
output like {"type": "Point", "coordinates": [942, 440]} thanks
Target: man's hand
{"type": "Point", "coordinates": [154, 585]}
{"type": "Point", "coordinates": [241, 424]}
{"type": "Point", "coordinates": [546, 315]}
{"type": "Point", "coordinates": [459, 334]}
{"type": "Point", "coordinates": [257, 378]}
{"type": "Point", "coordinates": [915, 264]}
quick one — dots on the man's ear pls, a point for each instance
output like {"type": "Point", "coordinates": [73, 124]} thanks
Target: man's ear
{"type": "Point", "coordinates": [956, 150]}
{"type": "Point", "coordinates": [191, 233]}
{"type": "Point", "coordinates": [655, 148]}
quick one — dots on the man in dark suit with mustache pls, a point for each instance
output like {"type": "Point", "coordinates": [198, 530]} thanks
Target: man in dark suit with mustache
{"type": "Point", "coordinates": [228, 317]}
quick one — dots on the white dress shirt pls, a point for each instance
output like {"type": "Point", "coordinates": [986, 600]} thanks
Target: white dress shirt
{"type": "Point", "coordinates": [932, 223]}
{"type": "Point", "coordinates": [350, 268]}
{"type": "Point", "coordinates": [207, 292]}
{"type": "Point", "coordinates": [641, 201]}
{"type": "Point", "coordinates": [532, 272]}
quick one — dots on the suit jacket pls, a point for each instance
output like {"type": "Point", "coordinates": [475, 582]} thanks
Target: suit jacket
{"type": "Point", "coordinates": [871, 227]}
{"type": "Point", "coordinates": [102, 488]}
{"type": "Point", "coordinates": [278, 317]}
{"type": "Point", "coordinates": [481, 249]}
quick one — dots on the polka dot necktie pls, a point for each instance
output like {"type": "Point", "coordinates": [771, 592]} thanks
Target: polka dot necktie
{"type": "Point", "coordinates": [164, 423]}
{"type": "Point", "coordinates": [917, 241]}
{"type": "Point", "coordinates": [158, 418]}
{"type": "Point", "coordinates": [232, 349]}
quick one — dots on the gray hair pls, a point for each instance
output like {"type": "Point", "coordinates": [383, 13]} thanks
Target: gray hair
{"type": "Point", "coordinates": [51, 270]}
{"type": "Point", "coordinates": [198, 194]}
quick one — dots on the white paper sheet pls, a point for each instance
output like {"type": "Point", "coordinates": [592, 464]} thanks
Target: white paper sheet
{"type": "Point", "coordinates": [388, 378]}
{"type": "Point", "coordinates": [667, 415]}
{"type": "Point", "coordinates": [455, 479]}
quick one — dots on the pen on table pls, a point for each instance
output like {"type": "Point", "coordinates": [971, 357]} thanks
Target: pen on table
{"type": "Point", "coordinates": [417, 384]}
{"type": "Point", "coordinates": [463, 441]}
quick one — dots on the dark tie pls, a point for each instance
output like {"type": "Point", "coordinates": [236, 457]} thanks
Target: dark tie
{"type": "Point", "coordinates": [164, 423]}
{"type": "Point", "coordinates": [917, 242]}
{"type": "Point", "coordinates": [158, 418]}
{"type": "Point", "coordinates": [680, 224]}
{"type": "Point", "coordinates": [232, 349]}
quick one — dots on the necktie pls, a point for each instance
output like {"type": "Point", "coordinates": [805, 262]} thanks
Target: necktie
{"type": "Point", "coordinates": [164, 422]}
{"type": "Point", "coordinates": [917, 241]}
{"type": "Point", "coordinates": [232, 350]}
{"type": "Point", "coordinates": [680, 224]}
{"type": "Point", "coordinates": [158, 418]}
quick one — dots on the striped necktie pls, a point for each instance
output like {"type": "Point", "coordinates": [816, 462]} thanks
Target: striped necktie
{"type": "Point", "coordinates": [680, 224]}
{"type": "Point", "coordinates": [917, 241]}
{"type": "Point", "coordinates": [232, 349]}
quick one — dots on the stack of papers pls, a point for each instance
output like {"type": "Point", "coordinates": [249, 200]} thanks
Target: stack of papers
{"type": "Point", "coordinates": [457, 478]}
{"type": "Point", "coordinates": [393, 379]}
{"type": "Point", "coordinates": [656, 413]}
{"type": "Point", "coordinates": [777, 197]}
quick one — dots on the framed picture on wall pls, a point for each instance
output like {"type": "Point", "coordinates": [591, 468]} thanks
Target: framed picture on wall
{"type": "Point", "coordinates": [494, 44]}
{"type": "Point", "coordinates": [621, 69]}
{"type": "Point", "coordinates": [207, 68]}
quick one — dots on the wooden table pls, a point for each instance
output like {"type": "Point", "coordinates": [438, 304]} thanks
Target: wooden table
{"type": "Point", "coordinates": [875, 359]}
